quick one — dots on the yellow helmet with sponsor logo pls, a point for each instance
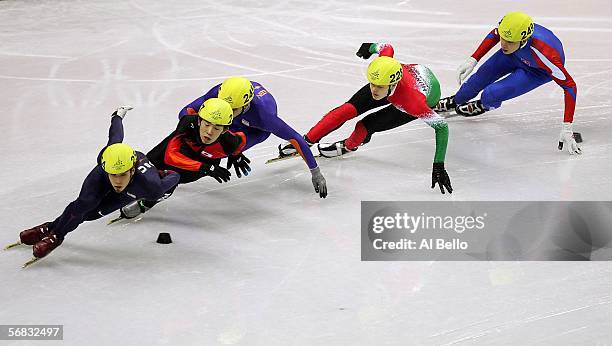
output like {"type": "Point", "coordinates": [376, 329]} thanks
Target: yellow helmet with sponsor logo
{"type": "Point", "coordinates": [118, 158]}
{"type": "Point", "coordinates": [237, 91]}
{"type": "Point", "coordinates": [384, 70]}
{"type": "Point", "coordinates": [216, 111]}
{"type": "Point", "coordinates": [515, 27]}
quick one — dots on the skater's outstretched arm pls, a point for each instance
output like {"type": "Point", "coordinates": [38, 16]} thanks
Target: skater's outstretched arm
{"type": "Point", "coordinates": [485, 46]}
{"type": "Point", "coordinates": [115, 132]}
{"type": "Point", "coordinates": [464, 70]}
{"type": "Point", "coordinates": [419, 108]}
{"type": "Point", "coordinates": [280, 129]}
{"type": "Point", "coordinates": [382, 49]}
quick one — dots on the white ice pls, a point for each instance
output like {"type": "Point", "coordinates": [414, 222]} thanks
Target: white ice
{"type": "Point", "coordinates": [263, 260]}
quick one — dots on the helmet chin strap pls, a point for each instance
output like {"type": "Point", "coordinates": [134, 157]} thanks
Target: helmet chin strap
{"type": "Point", "coordinates": [245, 108]}
{"type": "Point", "coordinates": [132, 175]}
{"type": "Point", "coordinates": [391, 89]}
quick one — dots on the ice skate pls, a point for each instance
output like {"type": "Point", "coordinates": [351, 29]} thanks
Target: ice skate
{"type": "Point", "coordinates": [334, 149]}
{"type": "Point", "coordinates": [46, 245]}
{"type": "Point", "coordinates": [35, 234]}
{"type": "Point", "coordinates": [471, 109]}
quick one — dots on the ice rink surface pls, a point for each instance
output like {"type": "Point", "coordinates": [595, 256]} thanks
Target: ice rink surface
{"type": "Point", "coordinates": [262, 260]}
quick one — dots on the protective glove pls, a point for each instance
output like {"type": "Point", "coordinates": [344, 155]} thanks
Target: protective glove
{"type": "Point", "coordinates": [364, 51]}
{"type": "Point", "coordinates": [439, 176]}
{"type": "Point", "coordinates": [464, 70]}
{"type": "Point", "coordinates": [133, 209]}
{"type": "Point", "coordinates": [240, 163]}
{"type": "Point", "coordinates": [318, 181]}
{"type": "Point", "coordinates": [122, 111]}
{"type": "Point", "coordinates": [566, 137]}
{"type": "Point", "coordinates": [219, 173]}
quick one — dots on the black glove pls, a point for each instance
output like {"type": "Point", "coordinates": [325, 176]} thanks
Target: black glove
{"type": "Point", "coordinates": [240, 163]}
{"type": "Point", "coordinates": [219, 173]}
{"type": "Point", "coordinates": [364, 51]}
{"type": "Point", "coordinates": [440, 176]}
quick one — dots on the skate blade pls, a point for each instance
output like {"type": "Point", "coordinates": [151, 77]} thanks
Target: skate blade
{"type": "Point", "coordinates": [282, 158]}
{"type": "Point", "coordinates": [339, 156]}
{"type": "Point", "coordinates": [30, 262]}
{"type": "Point", "coordinates": [447, 115]}
{"type": "Point", "coordinates": [130, 219]}
{"type": "Point", "coordinates": [10, 246]}
{"type": "Point", "coordinates": [115, 220]}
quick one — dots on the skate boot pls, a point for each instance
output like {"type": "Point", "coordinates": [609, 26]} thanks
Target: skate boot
{"type": "Point", "coordinates": [288, 149]}
{"type": "Point", "coordinates": [334, 149]}
{"type": "Point", "coordinates": [35, 234]}
{"type": "Point", "coordinates": [445, 105]}
{"type": "Point", "coordinates": [46, 245]}
{"type": "Point", "coordinates": [470, 109]}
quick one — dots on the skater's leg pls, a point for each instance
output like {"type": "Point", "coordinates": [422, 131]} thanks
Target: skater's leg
{"type": "Point", "coordinates": [519, 82]}
{"type": "Point", "coordinates": [382, 120]}
{"type": "Point", "coordinates": [497, 66]}
{"type": "Point", "coordinates": [359, 103]}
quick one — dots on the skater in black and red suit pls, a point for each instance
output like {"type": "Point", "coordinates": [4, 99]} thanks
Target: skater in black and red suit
{"type": "Point", "coordinates": [196, 148]}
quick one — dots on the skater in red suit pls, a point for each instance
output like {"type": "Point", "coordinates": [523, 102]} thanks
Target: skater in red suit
{"type": "Point", "coordinates": [405, 92]}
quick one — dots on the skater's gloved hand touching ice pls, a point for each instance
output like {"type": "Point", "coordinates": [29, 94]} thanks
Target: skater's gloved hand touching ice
{"type": "Point", "coordinates": [318, 181]}
{"type": "Point", "coordinates": [240, 163]}
{"type": "Point", "coordinates": [440, 177]}
{"type": "Point", "coordinates": [464, 70]}
{"type": "Point", "coordinates": [219, 173]}
{"type": "Point", "coordinates": [566, 138]}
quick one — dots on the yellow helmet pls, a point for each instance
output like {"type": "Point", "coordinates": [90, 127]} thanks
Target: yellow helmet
{"type": "Point", "coordinates": [515, 27]}
{"type": "Point", "coordinates": [237, 91]}
{"type": "Point", "coordinates": [384, 70]}
{"type": "Point", "coordinates": [118, 158]}
{"type": "Point", "coordinates": [216, 111]}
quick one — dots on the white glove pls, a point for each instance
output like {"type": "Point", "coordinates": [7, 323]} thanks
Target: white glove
{"type": "Point", "coordinates": [122, 111]}
{"type": "Point", "coordinates": [464, 70]}
{"type": "Point", "coordinates": [566, 138]}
